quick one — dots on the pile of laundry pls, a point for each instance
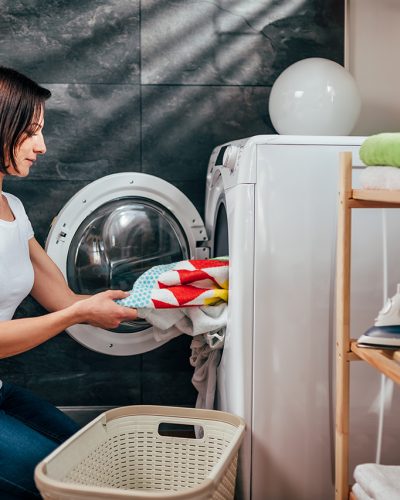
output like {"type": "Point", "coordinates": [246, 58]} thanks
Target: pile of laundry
{"type": "Point", "coordinates": [188, 297]}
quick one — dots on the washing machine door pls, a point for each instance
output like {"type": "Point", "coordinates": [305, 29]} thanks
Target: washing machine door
{"type": "Point", "coordinates": [112, 231]}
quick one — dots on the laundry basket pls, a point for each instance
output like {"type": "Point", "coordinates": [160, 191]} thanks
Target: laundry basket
{"type": "Point", "coordinates": [121, 454]}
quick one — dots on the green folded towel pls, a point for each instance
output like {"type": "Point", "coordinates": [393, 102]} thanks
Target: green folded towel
{"type": "Point", "coordinates": [381, 149]}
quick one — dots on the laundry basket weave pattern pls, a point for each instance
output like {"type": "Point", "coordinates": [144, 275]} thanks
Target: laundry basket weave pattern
{"type": "Point", "coordinates": [127, 455]}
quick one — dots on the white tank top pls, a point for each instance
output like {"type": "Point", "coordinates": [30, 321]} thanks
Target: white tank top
{"type": "Point", "coordinates": [16, 271]}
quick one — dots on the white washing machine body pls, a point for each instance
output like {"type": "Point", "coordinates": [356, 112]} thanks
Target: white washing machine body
{"type": "Point", "coordinates": [113, 229]}
{"type": "Point", "coordinates": [280, 198]}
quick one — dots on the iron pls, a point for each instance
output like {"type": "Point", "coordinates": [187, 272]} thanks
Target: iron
{"type": "Point", "coordinates": [386, 329]}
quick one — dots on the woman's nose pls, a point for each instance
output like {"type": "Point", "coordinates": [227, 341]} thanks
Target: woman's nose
{"type": "Point", "coordinates": [40, 146]}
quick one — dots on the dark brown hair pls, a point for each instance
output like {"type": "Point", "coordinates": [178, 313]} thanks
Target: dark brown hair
{"type": "Point", "coordinates": [21, 102]}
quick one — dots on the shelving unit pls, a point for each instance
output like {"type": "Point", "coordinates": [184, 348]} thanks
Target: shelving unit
{"type": "Point", "coordinates": [384, 360]}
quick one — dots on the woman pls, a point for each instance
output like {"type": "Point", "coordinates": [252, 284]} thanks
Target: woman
{"type": "Point", "coordinates": [29, 427]}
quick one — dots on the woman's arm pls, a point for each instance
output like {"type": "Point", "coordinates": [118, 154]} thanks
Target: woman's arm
{"type": "Point", "coordinates": [20, 335]}
{"type": "Point", "coordinates": [50, 288]}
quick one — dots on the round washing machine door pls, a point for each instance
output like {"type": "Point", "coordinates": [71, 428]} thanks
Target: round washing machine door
{"type": "Point", "coordinates": [112, 231]}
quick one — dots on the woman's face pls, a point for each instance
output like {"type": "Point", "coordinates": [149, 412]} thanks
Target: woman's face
{"type": "Point", "coordinates": [31, 145]}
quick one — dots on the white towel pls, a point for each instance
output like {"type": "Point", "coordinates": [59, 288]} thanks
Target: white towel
{"type": "Point", "coordinates": [169, 323]}
{"type": "Point", "coordinates": [359, 493]}
{"type": "Point", "coordinates": [380, 482]}
{"type": "Point", "coordinates": [380, 178]}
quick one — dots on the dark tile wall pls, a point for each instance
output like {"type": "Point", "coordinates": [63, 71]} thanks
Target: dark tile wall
{"type": "Point", "coordinates": [150, 86]}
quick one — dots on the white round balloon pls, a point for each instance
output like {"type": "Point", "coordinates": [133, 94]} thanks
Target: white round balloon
{"type": "Point", "coordinates": [314, 97]}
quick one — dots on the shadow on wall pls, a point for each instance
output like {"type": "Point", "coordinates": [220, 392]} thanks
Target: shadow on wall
{"type": "Point", "coordinates": [235, 42]}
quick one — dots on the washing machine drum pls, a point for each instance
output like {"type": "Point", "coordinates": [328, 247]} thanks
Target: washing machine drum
{"type": "Point", "coordinates": [110, 233]}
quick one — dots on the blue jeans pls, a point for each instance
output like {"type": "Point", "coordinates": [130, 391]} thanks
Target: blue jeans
{"type": "Point", "coordinates": [30, 429]}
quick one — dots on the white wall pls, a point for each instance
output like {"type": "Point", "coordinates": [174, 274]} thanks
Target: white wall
{"type": "Point", "coordinates": [372, 56]}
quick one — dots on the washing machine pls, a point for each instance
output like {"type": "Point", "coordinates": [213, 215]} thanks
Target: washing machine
{"type": "Point", "coordinates": [274, 200]}
{"type": "Point", "coordinates": [111, 232]}
{"type": "Point", "coordinates": [271, 205]}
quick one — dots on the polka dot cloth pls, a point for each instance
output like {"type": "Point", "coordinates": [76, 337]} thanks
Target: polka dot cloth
{"type": "Point", "coordinates": [140, 295]}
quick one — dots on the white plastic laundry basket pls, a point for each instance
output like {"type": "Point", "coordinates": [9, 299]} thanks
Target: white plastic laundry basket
{"type": "Point", "coordinates": [121, 454]}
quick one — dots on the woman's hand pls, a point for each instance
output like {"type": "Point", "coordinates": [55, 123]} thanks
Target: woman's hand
{"type": "Point", "coordinates": [101, 310]}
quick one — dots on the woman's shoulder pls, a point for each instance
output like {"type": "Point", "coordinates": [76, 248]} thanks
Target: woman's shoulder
{"type": "Point", "coordinates": [13, 201]}
{"type": "Point", "coordinates": [10, 196]}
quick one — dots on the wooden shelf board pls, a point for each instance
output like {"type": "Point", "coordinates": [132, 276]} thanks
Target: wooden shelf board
{"type": "Point", "coordinates": [384, 360]}
{"type": "Point", "coordinates": [377, 195]}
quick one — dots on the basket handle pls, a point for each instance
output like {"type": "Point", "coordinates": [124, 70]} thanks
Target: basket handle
{"type": "Point", "coordinates": [180, 430]}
